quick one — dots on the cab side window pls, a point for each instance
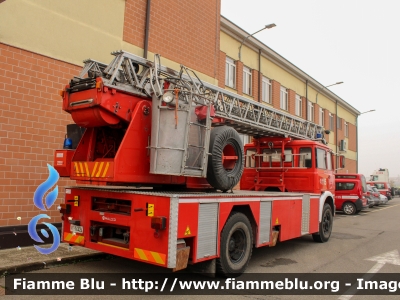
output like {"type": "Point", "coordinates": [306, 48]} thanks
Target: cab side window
{"type": "Point", "coordinates": [305, 158]}
{"type": "Point", "coordinates": [320, 158]}
{"type": "Point", "coordinates": [329, 161]}
{"type": "Point", "coordinates": [250, 159]}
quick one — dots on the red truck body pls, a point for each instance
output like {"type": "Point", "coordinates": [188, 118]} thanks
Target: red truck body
{"type": "Point", "coordinates": [128, 210]}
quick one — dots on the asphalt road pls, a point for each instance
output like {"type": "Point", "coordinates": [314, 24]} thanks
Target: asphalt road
{"type": "Point", "coordinates": [354, 240]}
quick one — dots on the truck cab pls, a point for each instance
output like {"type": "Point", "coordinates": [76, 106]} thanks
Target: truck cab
{"type": "Point", "coordinates": [287, 165]}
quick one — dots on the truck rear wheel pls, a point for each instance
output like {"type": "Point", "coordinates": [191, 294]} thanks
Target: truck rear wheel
{"type": "Point", "coordinates": [236, 246]}
{"type": "Point", "coordinates": [325, 226]}
{"type": "Point", "coordinates": [225, 166]}
{"type": "Point", "coordinates": [349, 208]}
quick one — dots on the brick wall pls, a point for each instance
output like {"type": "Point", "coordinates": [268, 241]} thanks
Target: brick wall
{"type": "Point", "coordinates": [276, 90]}
{"type": "Point", "coordinates": [32, 126]}
{"type": "Point", "coordinates": [239, 77]}
{"type": "Point", "coordinates": [352, 137]}
{"type": "Point", "coordinates": [185, 32]}
{"type": "Point", "coordinates": [221, 69]}
{"type": "Point", "coordinates": [304, 107]}
{"type": "Point", "coordinates": [316, 113]}
{"type": "Point", "coordinates": [254, 84]}
{"type": "Point", "coordinates": [292, 102]}
{"type": "Point", "coordinates": [340, 131]}
{"type": "Point", "coordinates": [350, 166]}
{"type": "Point", "coordinates": [326, 122]}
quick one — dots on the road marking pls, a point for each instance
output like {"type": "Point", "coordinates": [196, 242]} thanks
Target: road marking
{"type": "Point", "coordinates": [391, 257]}
{"type": "Point", "coordinates": [385, 208]}
{"type": "Point", "coordinates": [363, 213]}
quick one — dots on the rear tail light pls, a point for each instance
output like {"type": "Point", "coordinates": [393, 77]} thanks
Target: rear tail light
{"type": "Point", "coordinates": [65, 208]}
{"type": "Point", "coordinates": [159, 223]}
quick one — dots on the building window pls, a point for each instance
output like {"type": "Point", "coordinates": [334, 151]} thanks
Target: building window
{"type": "Point", "coordinates": [346, 129]}
{"type": "Point", "coordinates": [310, 111]}
{"type": "Point", "coordinates": [299, 105]}
{"type": "Point", "coordinates": [321, 116]}
{"type": "Point", "coordinates": [331, 123]}
{"type": "Point", "coordinates": [230, 73]}
{"type": "Point", "coordinates": [266, 90]}
{"type": "Point", "coordinates": [284, 98]}
{"type": "Point", "coordinates": [339, 123]}
{"type": "Point", "coordinates": [246, 81]}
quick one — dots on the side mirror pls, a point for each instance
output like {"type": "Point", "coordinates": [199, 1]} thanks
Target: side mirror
{"type": "Point", "coordinates": [342, 161]}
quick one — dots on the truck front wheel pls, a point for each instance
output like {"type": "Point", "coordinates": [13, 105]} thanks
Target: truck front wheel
{"type": "Point", "coordinates": [325, 226]}
{"type": "Point", "coordinates": [236, 246]}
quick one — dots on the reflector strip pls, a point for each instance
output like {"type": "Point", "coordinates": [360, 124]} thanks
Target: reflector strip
{"type": "Point", "coordinates": [146, 255]}
{"type": "Point", "coordinates": [83, 169]}
{"type": "Point", "coordinates": [87, 170]}
{"type": "Point", "coordinates": [94, 169]}
{"type": "Point", "coordinates": [76, 167]}
{"type": "Point", "coordinates": [101, 167]}
{"type": "Point", "coordinates": [77, 239]}
{"type": "Point", "coordinates": [82, 172]}
{"type": "Point", "coordinates": [106, 169]}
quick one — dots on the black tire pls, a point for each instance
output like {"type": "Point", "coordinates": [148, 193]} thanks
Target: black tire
{"type": "Point", "coordinates": [325, 227]}
{"type": "Point", "coordinates": [236, 246]}
{"type": "Point", "coordinates": [349, 208]}
{"type": "Point", "coordinates": [225, 141]}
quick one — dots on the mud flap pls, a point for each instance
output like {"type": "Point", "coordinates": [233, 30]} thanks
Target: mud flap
{"type": "Point", "coordinates": [274, 236]}
{"type": "Point", "coordinates": [182, 258]}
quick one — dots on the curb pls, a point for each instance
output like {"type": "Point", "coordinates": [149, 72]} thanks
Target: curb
{"type": "Point", "coordinates": [34, 266]}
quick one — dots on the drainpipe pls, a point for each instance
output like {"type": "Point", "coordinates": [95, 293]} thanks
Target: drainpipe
{"type": "Point", "coordinates": [306, 99]}
{"type": "Point", "coordinates": [336, 138]}
{"type": "Point", "coordinates": [147, 29]}
{"type": "Point", "coordinates": [357, 144]}
{"type": "Point", "coordinates": [259, 76]}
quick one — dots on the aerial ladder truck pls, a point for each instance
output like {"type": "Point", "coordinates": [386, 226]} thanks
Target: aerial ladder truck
{"type": "Point", "coordinates": [160, 156]}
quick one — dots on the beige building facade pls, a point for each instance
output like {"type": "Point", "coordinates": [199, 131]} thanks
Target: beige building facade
{"type": "Point", "coordinates": [43, 44]}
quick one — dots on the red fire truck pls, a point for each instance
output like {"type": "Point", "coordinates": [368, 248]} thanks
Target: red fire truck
{"type": "Point", "coordinates": [160, 156]}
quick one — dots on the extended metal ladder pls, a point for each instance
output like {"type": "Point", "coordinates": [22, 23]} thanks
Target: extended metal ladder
{"type": "Point", "coordinates": [134, 74]}
{"type": "Point", "coordinates": [181, 148]}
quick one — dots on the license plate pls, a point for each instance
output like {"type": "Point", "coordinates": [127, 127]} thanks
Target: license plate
{"type": "Point", "coordinates": [77, 229]}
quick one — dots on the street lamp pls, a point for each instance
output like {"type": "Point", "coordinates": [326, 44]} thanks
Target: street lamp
{"type": "Point", "coordinates": [357, 135]}
{"type": "Point", "coordinates": [316, 97]}
{"type": "Point", "coordinates": [340, 82]}
{"type": "Point", "coordinates": [367, 111]}
{"type": "Point", "coordinates": [266, 27]}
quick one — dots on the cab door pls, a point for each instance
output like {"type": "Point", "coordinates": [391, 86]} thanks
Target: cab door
{"type": "Point", "coordinates": [323, 165]}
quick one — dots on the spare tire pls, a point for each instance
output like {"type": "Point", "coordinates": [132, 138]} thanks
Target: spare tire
{"type": "Point", "coordinates": [225, 166]}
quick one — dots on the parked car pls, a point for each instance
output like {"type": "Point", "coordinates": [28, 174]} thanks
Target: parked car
{"type": "Point", "coordinates": [382, 198]}
{"type": "Point", "coordinates": [383, 187]}
{"type": "Point", "coordinates": [373, 198]}
{"type": "Point", "coordinates": [350, 193]}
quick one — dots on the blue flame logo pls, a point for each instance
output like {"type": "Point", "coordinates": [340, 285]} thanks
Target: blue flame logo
{"type": "Point", "coordinates": [44, 187]}
{"type": "Point", "coordinates": [49, 201]}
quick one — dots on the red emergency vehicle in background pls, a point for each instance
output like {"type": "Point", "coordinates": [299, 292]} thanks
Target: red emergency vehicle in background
{"type": "Point", "coordinates": [350, 193]}
{"type": "Point", "coordinates": [380, 179]}
{"type": "Point", "coordinates": [160, 155]}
